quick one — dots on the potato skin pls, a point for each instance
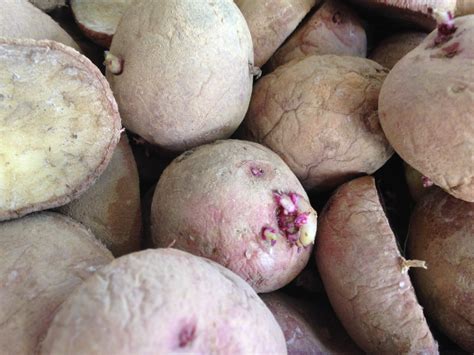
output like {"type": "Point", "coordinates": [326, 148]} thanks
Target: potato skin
{"type": "Point", "coordinates": [208, 202]}
{"type": "Point", "coordinates": [442, 233]}
{"type": "Point", "coordinates": [319, 114]}
{"type": "Point", "coordinates": [190, 81]}
{"type": "Point", "coordinates": [44, 257]}
{"type": "Point", "coordinates": [435, 133]}
{"type": "Point", "coordinates": [48, 5]}
{"type": "Point", "coordinates": [157, 302]}
{"type": "Point", "coordinates": [360, 265]}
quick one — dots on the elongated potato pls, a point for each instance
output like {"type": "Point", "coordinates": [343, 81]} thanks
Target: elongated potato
{"type": "Point", "coordinates": [442, 234]}
{"type": "Point", "coordinates": [157, 302]}
{"type": "Point", "coordinates": [59, 125]}
{"type": "Point", "coordinates": [111, 207]}
{"type": "Point", "coordinates": [43, 258]}
{"type": "Point", "coordinates": [366, 277]}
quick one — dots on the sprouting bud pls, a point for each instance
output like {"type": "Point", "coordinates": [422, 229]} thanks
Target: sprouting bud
{"type": "Point", "coordinates": [113, 64]}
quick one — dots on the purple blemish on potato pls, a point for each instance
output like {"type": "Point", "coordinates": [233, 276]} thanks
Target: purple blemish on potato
{"type": "Point", "coordinates": [426, 182]}
{"type": "Point", "coordinates": [258, 172]}
{"type": "Point", "coordinates": [270, 234]}
{"type": "Point", "coordinates": [446, 26]}
{"type": "Point", "coordinates": [186, 335]}
{"type": "Point", "coordinates": [451, 50]}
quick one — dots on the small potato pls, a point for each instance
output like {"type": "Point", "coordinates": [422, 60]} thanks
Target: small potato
{"type": "Point", "coordinates": [319, 114]}
{"type": "Point", "coordinates": [164, 301]}
{"type": "Point", "coordinates": [442, 233]}
{"type": "Point", "coordinates": [236, 203]}
{"type": "Point", "coordinates": [43, 258]}
{"type": "Point", "coordinates": [365, 276]}
{"type": "Point", "coordinates": [46, 5]}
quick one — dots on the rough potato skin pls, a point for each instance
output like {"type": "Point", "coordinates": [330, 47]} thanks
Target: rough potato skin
{"type": "Point", "coordinates": [333, 29]}
{"type": "Point", "coordinates": [44, 257]}
{"type": "Point", "coordinates": [209, 203]}
{"type": "Point", "coordinates": [442, 233]}
{"type": "Point", "coordinates": [360, 265]}
{"type": "Point", "coordinates": [187, 71]}
{"type": "Point", "coordinates": [20, 19]}
{"type": "Point", "coordinates": [111, 207]}
{"type": "Point", "coordinates": [435, 133]}
{"type": "Point", "coordinates": [158, 302]}
{"type": "Point", "coordinates": [271, 22]}
{"type": "Point", "coordinates": [319, 114]}
{"type": "Point", "coordinates": [393, 48]}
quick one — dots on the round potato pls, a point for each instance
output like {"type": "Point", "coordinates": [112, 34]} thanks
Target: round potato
{"type": "Point", "coordinates": [442, 233]}
{"type": "Point", "coordinates": [319, 114]}
{"type": "Point", "coordinates": [365, 276]}
{"type": "Point", "coordinates": [43, 258]}
{"type": "Point", "coordinates": [190, 81]}
{"type": "Point", "coordinates": [236, 203]}
{"type": "Point", "coordinates": [157, 302]}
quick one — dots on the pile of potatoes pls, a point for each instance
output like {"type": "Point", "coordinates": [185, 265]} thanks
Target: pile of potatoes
{"type": "Point", "coordinates": [248, 177]}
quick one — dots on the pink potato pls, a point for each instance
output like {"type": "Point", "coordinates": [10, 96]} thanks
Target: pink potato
{"type": "Point", "coordinates": [164, 301]}
{"type": "Point", "coordinates": [365, 276]}
{"type": "Point", "coordinates": [435, 132]}
{"type": "Point", "coordinates": [236, 203]}
{"type": "Point", "coordinates": [442, 233]}
{"type": "Point", "coordinates": [319, 114]}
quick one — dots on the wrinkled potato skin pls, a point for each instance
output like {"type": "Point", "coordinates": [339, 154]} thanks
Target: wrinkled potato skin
{"type": "Point", "coordinates": [393, 48]}
{"type": "Point", "coordinates": [319, 114]}
{"type": "Point", "coordinates": [333, 29]}
{"type": "Point", "coordinates": [190, 81]}
{"type": "Point", "coordinates": [208, 203]}
{"type": "Point", "coordinates": [360, 265]}
{"type": "Point", "coordinates": [141, 304]}
{"type": "Point", "coordinates": [111, 207]}
{"type": "Point", "coordinates": [435, 132]}
{"type": "Point", "coordinates": [442, 234]}
{"type": "Point", "coordinates": [271, 22]}
{"type": "Point", "coordinates": [44, 257]}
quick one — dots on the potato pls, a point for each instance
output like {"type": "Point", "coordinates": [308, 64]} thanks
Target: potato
{"type": "Point", "coordinates": [99, 19]}
{"type": "Point", "coordinates": [366, 277]}
{"type": "Point", "coordinates": [111, 207]}
{"type": "Point", "coordinates": [46, 5]}
{"type": "Point", "coordinates": [319, 114]}
{"type": "Point", "coordinates": [59, 125]}
{"type": "Point", "coordinates": [333, 29]}
{"type": "Point", "coordinates": [157, 302]}
{"type": "Point", "coordinates": [20, 19]}
{"type": "Point", "coordinates": [442, 233]}
{"type": "Point", "coordinates": [271, 22]}
{"type": "Point", "coordinates": [309, 327]}
{"type": "Point", "coordinates": [435, 132]}
{"type": "Point", "coordinates": [43, 258]}
{"type": "Point", "coordinates": [236, 203]}
{"type": "Point", "coordinates": [190, 82]}
{"type": "Point", "coordinates": [418, 184]}
{"type": "Point", "coordinates": [393, 48]}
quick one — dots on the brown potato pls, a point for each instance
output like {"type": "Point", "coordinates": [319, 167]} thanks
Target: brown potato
{"type": "Point", "coordinates": [365, 276]}
{"type": "Point", "coordinates": [43, 258]}
{"type": "Point", "coordinates": [319, 114]}
{"type": "Point", "coordinates": [59, 125]}
{"type": "Point", "coordinates": [442, 234]}
{"type": "Point", "coordinates": [164, 301]}
{"type": "Point", "coordinates": [46, 5]}
{"type": "Point", "coordinates": [418, 185]}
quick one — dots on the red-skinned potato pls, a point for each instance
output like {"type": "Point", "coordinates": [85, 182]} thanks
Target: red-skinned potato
{"type": "Point", "coordinates": [158, 302]}
{"type": "Point", "coordinates": [43, 258]}
{"type": "Point", "coordinates": [238, 204]}
{"type": "Point", "coordinates": [435, 132]}
{"type": "Point", "coordinates": [442, 233]}
{"type": "Point", "coordinates": [365, 276]}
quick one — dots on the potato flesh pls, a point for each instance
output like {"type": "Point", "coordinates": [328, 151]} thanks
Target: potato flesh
{"type": "Point", "coordinates": [51, 118]}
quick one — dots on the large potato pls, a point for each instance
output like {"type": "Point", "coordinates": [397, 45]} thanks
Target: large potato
{"type": "Point", "coordinates": [161, 302]}
{"type": "Point", "coordinates": [365, 276]}
{"type": "Point", "coordinates": [434, 133]}
{"type": "Point", "coordinates": [183, 70]}
{"type": "Point", "coordinates": [43, 258]}
{"type": "Point", "coordinates": [319, 114]}
{"type": "Point", "coordinates": [238, 204]}
{"type": "Point", "coordinates": [59, 125]}
{"type": "Point", "coordinates": [442, 233]}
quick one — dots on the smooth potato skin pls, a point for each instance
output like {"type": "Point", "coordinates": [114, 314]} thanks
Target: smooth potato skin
{"type": "Point", "coordinates": [442, 233]}
{"type": "Point", "coordinates": [164, 301]}
{"type": "Point", "coordinates": [360, 265]}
